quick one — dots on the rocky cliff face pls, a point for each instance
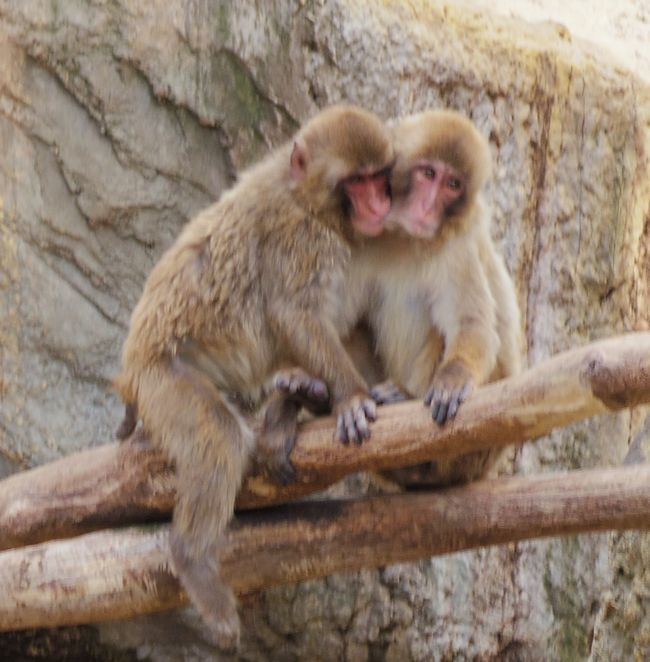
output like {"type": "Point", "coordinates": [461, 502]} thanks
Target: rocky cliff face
{"type": "Point", "coordinates": [120, 119]}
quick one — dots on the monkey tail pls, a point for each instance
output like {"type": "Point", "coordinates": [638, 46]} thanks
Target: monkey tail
{"type": "Point", "coordinates": [209, 442]}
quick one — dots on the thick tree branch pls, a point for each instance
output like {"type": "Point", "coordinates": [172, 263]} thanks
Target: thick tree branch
{"type": "Point", "coordinates": [113, 484]}
{"type": "Point", "coordinates": [120, 573]}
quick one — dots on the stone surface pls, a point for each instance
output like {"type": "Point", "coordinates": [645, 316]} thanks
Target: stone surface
{"type": "Point", "coordinates": [120, 119]}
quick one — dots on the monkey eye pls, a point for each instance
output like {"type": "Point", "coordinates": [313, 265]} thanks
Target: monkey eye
{"type": "Point", "coordinates": [429, 173]}
{"type": "Point", "coordinates": [454, 183]}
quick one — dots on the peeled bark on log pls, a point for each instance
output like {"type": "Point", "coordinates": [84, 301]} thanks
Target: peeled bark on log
{"type": "Point", "coordinates": [121, 573]}
{"type": "Point", "coordinates": [121, 484]}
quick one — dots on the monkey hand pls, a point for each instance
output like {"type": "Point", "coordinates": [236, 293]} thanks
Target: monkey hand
{"type": "Point", "coordinates": [386, 393]}
{"type": "Point", "coordinates": [451, 385]}
{"type": "Point", "coordinates": [352, 417]}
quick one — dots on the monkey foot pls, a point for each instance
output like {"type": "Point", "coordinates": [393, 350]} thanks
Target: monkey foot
{"type": "Point", "coordinates": [208, 593]}
{"type": "Point", "coordinates": [386, 393]}
{"type": "Point", "coordinates": [272, 455]}
{"type": "Point", "coordinates": [224, 633]}
{"type": "Point", "coordinates": [306, 390]}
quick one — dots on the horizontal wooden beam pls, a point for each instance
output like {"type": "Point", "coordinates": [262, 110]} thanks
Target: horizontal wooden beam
{"type": "Point", "coordinates": [120, 484]}
{"type": "Point", "coordinates": [121, 573]}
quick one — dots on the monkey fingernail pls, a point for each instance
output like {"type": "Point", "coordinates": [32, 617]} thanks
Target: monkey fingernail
{"type": "Point", "coordinates": [464, 392]}
{"type": "Point", "coordinates": [440, 412]}
{"type": "Point", "coordinates": [361, 425]}
{"type": "Point", "coordinates": [351, 428]}
{"type": "Point", "coordinates": [370, 410]}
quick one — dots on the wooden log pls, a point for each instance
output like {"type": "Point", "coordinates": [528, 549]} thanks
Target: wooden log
{"type": "Point", "coordinates": [120, 484]}
{"type": "Point", "coordinates": [121, 573]}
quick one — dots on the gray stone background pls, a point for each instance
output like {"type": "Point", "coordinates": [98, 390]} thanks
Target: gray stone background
{"type": "Point", "coordinates": [119, 119]}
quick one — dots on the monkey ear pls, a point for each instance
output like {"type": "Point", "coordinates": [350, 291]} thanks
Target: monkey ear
{"type": "Point", "coordinates": [299, 160]}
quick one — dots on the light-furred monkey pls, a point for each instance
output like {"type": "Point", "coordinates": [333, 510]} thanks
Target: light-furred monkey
{"type": "Point", "coordinates": [253, 283]}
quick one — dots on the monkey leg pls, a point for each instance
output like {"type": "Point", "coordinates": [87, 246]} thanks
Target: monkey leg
{"type": "Point", "coordinates": [210, 444]}
{"type": "Point", "coordinates": [387, 392]}
{"type": "Point", "coordinates": [210, 595]}
{"type": "Point", "coordinates": [277, 437]}
{"type": "Point", "coordinates": [294, 389]}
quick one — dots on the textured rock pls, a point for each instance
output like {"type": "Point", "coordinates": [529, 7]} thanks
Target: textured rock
{"type": "Point", "coordinates": [120, 119]}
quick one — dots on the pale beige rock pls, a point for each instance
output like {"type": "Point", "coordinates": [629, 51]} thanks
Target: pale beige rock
{"type": "Point", "coordinates": [119, 120]}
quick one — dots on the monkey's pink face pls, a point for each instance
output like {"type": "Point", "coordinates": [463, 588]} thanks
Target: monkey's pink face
{"type": "Point", "coordinates": [434, 187]}
{"type": "Point", "coordinates": [370, 200]}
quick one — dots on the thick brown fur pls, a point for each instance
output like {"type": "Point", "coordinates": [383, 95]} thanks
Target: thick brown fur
{"type": "Point", "coordinates": [253, 283]}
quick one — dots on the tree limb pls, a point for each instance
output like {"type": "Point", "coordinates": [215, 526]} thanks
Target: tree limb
{"type": "Point", "coordinates": [120, 573]}
{"type": "Point", "coordinates": [119, 484]}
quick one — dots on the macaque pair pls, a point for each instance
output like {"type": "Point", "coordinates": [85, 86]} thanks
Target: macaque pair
{"type": "Point", "coordinates": [435, 296]}
{"type": "Point", "coordinates": [276, 276]}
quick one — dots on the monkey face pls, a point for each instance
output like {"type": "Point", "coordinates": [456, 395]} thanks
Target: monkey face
{"type": "Point", "coordinates": [435, 188]}
{"type": "Point", "coordinates": [442, 164]}
{"type": "Point", "coordinates": [369, 201]}
{"type": "Point", "coordinates": [343, 158]}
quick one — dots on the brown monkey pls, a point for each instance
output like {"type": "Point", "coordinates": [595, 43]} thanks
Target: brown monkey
{"type": "Point", "coordinates": [252, 283]}
{"type": "Point", "coordinates": [443, 310]}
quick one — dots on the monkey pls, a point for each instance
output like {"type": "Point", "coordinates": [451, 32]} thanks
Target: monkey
{"type": "Point", "coordinates": [443, 309]}
{"type": "Point", "coordinates": [253, 283]}
{"type": "Point", "coordinates": [470, 322]}
{"type": "Point", "coordinates": [442, 165]}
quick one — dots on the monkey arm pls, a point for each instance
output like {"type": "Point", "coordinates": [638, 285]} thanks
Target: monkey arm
{"type": "Point", "coordinates": [471, 339]}
{"type": "Point", "coordinates": [314, 344]}
{"type": "Point", "coordinates": [466, 311]}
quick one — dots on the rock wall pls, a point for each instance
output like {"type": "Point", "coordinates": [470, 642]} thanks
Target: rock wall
{"type": "Point", "coordinates": [120, 119]}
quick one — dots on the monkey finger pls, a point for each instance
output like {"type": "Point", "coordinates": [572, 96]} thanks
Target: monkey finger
{"type": "Point", "coordinates": [361, 424]}
{"type": "Point", "coordinates": [370, 409]}
{"type": "Point", "coordinates": [341, 432]}
{"type": "Point", "coordinates": [440, 406]}
{"type": "Point", "coordinates": [464, 392]}
{"type": "Point", "coordinates": [294, 384]}
{"type": "Point", "coordinates": [454, 403]}
{"type": "Point", "coordinates": [351, 428]}
{"type": "Point", "coordinates": [282, 381]}
{"type": "Point", "coordinates": [434, 396]}
{"type": "Point", "coordinates": [457, 398]}
{"type": "Point", "coordinates": [441, 416]}
{"type": "Point", "coordinates": [429, 397]}
{"type": "Point", "coordinates": [435, 405]}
